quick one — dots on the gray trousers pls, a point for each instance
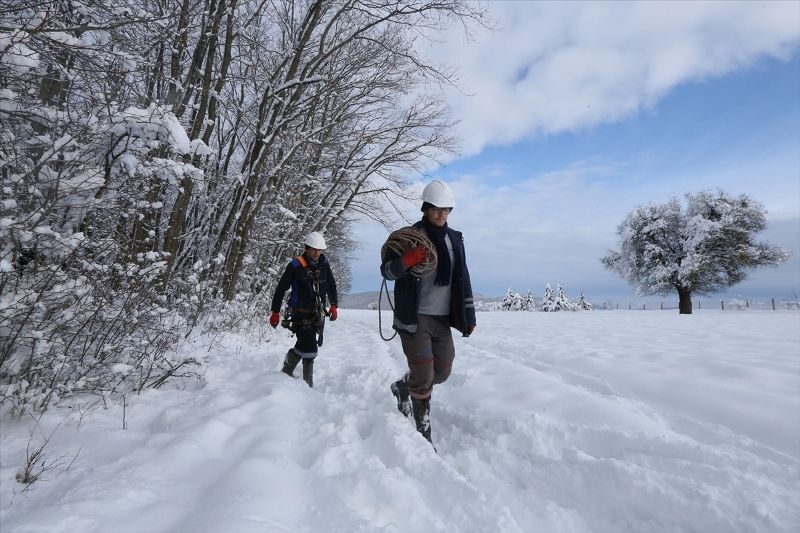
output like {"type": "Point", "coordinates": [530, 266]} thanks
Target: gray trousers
{"type": "Point", "coordinates": [429, 353]}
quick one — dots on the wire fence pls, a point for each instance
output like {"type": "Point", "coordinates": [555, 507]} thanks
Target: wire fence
{"type": "Point", "coordinates": [730, 304]}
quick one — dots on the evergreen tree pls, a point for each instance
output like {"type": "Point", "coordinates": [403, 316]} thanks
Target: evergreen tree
{"type": "Point", "coordinates": [583, 304]}
{"type": "Point", "coordinates": [548, 300]}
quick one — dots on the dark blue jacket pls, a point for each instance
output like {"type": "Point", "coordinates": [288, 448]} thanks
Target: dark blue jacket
{"type": "Point", "coordinates": [407, 289]}
{"type": "Point", "coordinates": [297, 278]}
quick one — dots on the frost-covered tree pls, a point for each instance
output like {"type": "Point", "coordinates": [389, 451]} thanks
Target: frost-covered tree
{"type": "Point", "coordinates": [557, 301]}
{"type": "Point", "coordinates": [529, 304]}
{"type": "Point", "coordinates": [583, 305]}
{"type": "Point", "coordinates": [512, 301]}
{"type": "Point", "coordinates": [548, 300]}
{"type": "Point", "coordinates": [705, 247]}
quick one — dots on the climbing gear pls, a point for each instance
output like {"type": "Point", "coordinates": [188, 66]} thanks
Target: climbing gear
{"type": "Point", "coordinates": [290, 362]}
{"type": "Point", "coordinates": [315, 240]}
{"type": "Point", "coordinates": [399, 242]}
{"type": "Point", "coordinates": [402, 240]}
{"type": "Point", "coordinates": [400, 391]}
{"type": "Point", "coordinates": [292, 317]}
{"type": "Point", "coordinates": [308, 372]}
{"type": "Point", "coordinates": [439, 194]}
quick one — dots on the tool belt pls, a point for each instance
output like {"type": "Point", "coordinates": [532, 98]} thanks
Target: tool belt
{"type": "Point", "coordinates": [297, 318]}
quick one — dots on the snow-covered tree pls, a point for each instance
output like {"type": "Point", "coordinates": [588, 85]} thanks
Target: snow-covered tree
{"type": "Point", "coordinates": [512, 301]}
{"type": "Point", "coordinates": [548, 300]}
{"type": "Point", "coordinates": [705, 247]}
{"type": "Point", "coordinates": [529, 304]}
{"type": "Point", "coordinates": [583, 305]}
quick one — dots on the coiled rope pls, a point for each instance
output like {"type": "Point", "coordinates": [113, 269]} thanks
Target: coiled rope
{"type": "Point", "coordinates": [399, 242]}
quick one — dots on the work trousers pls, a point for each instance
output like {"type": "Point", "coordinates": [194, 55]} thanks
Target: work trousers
{"type": "Point", "coordinates": [429, 354]}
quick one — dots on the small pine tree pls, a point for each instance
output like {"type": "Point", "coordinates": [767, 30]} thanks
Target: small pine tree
{"type": "Point", "coordinates": [584, 305]}
{"type": "Point", "coordinates": [510, 301]}
{"type": "Point", "coordinates": [562, 301]}
{"type": "Point", "coordinates": [530, 303]}
{"type": "Point", "coordinates": [548, 300]}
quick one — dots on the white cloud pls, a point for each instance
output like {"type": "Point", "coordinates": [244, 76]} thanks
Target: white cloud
{"type": "Point", "coordinates": [568, 66]}
{"type": "Point", "coordinates": [554, 227]}
{"type": "Point", "coordinates": [555, 67]}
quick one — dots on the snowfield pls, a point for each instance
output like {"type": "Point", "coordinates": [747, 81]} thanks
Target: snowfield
{"type": "Point", "coordinates": [618, 421]}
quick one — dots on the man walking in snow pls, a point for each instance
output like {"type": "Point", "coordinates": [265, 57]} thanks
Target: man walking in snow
{"type": "Point", "coordinates": [427, 307]}
{"type": "Point", "coordinates": [311, 281]}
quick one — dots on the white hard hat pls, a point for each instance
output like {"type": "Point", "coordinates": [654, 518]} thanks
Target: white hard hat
{"type": "Point", "coordinates": [439, 194]}
{"type": "Point", "coordinates": [315, 240]}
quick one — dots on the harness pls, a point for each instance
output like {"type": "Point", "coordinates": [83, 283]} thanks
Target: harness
{"type": "Point", "coordinates": [313, 317]}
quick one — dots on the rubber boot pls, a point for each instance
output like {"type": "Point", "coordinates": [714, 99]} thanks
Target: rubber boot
{"type": "Point", "coordinates": [308, 372]}
{"type": "Point", "coordinates": [422, 416]}
{"type": "Point", "coordinates": [400, 391]}
{"type": "Point", "coordinates": [290, 362]}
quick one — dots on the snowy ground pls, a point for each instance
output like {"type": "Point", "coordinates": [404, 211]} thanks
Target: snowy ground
{"type": "Point", "coordinates": [582, 422]}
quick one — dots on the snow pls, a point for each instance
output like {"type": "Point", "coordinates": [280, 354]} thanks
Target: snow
{"type": "Point", "coordinates": [156, 123]}
{"type": "Point", "coordinates": [617, 421]}
{"type": "Point", "coordinates": [15, 53]}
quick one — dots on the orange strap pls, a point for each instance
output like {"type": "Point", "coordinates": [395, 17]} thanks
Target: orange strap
{"type": "Point", "coordinates": [302, 260]}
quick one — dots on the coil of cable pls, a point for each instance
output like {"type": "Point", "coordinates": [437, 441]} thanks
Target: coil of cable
{"type": "Point", "coordinates": [404, 239]}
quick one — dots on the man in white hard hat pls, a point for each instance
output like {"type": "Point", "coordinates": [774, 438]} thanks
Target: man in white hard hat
{"type": "Point", "coordinates": [427, 307]}
{"type": "Point", "coordinates": [312, 283]}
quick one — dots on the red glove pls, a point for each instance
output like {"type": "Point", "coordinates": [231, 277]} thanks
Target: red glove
{"type": "Point", "coordinates": [333, 313]}
{"type": "Point", "coordinates": [274, 319]}
{"type": "Point", "coordinates": [414, 256]}
{"type": "Point", "coordinates": [470, 329]}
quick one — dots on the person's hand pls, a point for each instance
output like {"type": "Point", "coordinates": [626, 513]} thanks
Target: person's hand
{"type": "Point", "coordinates": [333, 313]}
{"type": "Point", "coordinates": [414, 256]}
{"type": "Point", "coordinates": [470, 329]}
{"type": "Point", "coordinates": [274, 319]}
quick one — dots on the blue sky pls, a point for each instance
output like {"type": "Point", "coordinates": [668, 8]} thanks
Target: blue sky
{"type": "Point", "coordinates": [559, 148]}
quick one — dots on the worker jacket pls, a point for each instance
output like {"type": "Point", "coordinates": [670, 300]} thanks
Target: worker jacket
{"type": "Point", "coordinates": [407, 289]}
{"type": "Point", "coordinates": [298, 278]}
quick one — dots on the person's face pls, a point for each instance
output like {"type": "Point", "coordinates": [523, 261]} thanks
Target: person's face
{"type": "Point", "coordinates": [313, 253]}
{"type": "Point", "coordinates": [437, 215]}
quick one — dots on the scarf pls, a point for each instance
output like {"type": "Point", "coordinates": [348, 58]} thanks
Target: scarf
{"type": "Point", "coordinates": [437, 235]}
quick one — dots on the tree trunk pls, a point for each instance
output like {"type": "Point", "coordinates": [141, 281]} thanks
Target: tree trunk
{"type": "Point", "coordinates": [684, 301]}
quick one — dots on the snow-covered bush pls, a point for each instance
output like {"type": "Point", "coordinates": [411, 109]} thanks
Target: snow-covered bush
{"type": "Point", "coordinates": [792, 303]}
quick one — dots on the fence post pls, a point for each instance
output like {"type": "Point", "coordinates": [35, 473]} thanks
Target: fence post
{"type": "Point", "coordinates": [629, 306]}
{"type": "Point", "coordinates": [644, 306]}
{"type": "Point", "coordinates": [617, 305]}
{"type": "Point", "coordinates": [773, 304]}
{"type": "Point", "coordinates": [722, 303]}
{"type": "Point", "coordinates": [662, 305]}
{"type": "Point", "coordinates": [699, 305]}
